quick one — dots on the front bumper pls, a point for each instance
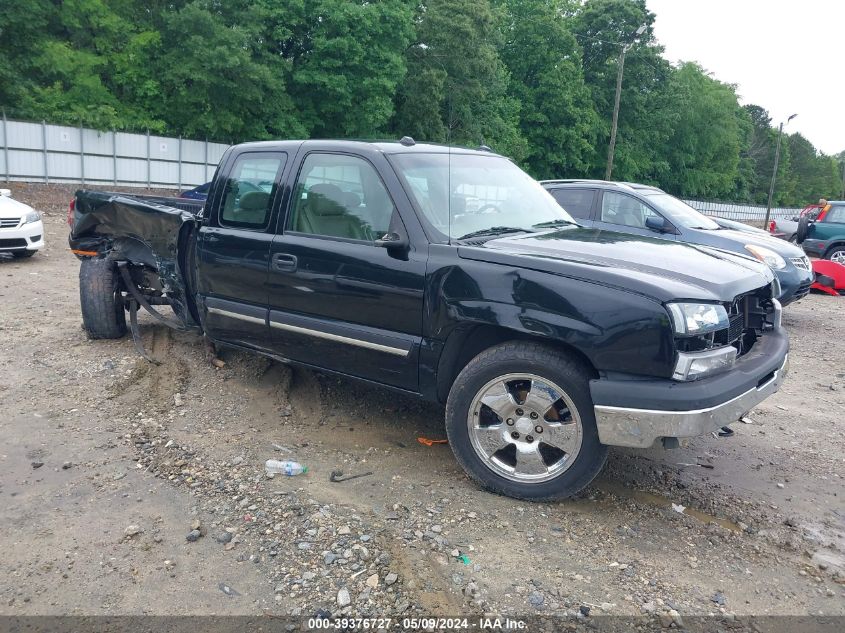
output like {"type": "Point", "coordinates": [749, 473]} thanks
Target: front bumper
{"type": "Point", "coordinates": [794, 282]}
{"type": "Point", "coordinates": [814, 248]}
{"type": "Point", "coordinates": [25, 237]}
{"type": "Point", "coordinates": [637, 412]}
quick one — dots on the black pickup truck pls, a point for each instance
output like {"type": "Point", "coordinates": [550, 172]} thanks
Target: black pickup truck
{"type": "Point", "coordinates": [451, 275]}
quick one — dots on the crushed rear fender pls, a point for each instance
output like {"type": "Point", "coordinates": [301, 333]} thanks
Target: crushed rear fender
{"type": "Point", "coordinates": [122, 227]}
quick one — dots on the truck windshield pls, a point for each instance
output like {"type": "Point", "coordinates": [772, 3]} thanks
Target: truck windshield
{"type": "Point", "coordinates": [680, 213]}
{"type": "Point", "coordinates": [463, 195]}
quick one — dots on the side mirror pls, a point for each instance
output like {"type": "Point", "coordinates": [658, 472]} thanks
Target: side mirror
{"type": "Point", "coordinates": [795, 218]}
{"type": "Point", "coordinates": [656, 223]}
{"type": "Point", "coordinates": [391, 241]}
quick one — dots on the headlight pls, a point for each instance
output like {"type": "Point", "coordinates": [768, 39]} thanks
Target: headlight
{"type": "Point", "coordinates": [767, 256]}
{"type": "Point", "coordinates": [32, 216]}
{"type": "Point", "coordinates": [690, 319]}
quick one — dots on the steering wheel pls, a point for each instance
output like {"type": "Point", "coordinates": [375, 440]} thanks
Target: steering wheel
{"type": "Point", "coordinates": [488, 208]}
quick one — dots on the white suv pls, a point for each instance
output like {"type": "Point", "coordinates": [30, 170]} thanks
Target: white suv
{"type": "Point", "coordinates": [21, 229]}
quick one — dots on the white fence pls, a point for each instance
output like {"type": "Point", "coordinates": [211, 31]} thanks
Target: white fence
{"type": "Point", "coordinates": [31, 152]}
{"type": "Point", "coordinates": [741, 212]}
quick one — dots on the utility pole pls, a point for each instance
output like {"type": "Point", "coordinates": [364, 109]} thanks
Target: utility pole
{"type": "Point", "coordinates": [774, 174]}
{"type": "Point", "coordinates": [615, 121]}
{"type": "Point", "coordinates": [843, 177]}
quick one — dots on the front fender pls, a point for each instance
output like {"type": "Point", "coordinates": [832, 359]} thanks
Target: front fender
{"type": "Point", "coordinates": [616, 331]}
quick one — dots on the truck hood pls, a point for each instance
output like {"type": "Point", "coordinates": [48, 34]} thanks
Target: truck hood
{"type": "Point", "coordinates": [660, 269]}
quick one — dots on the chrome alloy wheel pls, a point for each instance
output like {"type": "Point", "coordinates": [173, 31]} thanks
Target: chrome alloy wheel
{"type": "Point", "coordinates": [838, 257]}
{"type": "Point", "coordinates": [525, 428]}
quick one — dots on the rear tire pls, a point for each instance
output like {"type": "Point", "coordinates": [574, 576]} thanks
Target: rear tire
{"type": "Point", "coordinates": [22, 254]}
{"type": "Point", "coordinates": [836, 254]}
{"type": "Point", "coordinates": [520, 421]}
{"type": "Point", "coordinates": [103, 315]}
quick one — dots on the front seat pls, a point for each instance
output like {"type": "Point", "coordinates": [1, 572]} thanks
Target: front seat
{"type": "Point", "coordinates": [630, 213]}
{"type": "Point", "coordinates": [324, 213]}
{"type": "Point", "coordinates": [252, 207]}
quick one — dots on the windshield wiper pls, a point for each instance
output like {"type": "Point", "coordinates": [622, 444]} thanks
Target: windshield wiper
{"type": "Point", "coordinates": [553, 223]}
{"type": "Point", "coordinates": [494, 230]}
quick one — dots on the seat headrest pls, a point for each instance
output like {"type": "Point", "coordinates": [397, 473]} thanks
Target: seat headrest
{"type": "Point", "coordinates": [326, 199]}
{"type": "Point", "coordinates": [351, 200]}
{"type": "Point", "coordinates": [254, 201]}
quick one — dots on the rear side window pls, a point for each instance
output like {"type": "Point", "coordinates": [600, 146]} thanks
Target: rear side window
{"type": "Point", "coordinates": [578, 202]}
{"type": "Point", "coordinates": [250, 188]}
{"type": "Point", "coordinates": [835, 215]}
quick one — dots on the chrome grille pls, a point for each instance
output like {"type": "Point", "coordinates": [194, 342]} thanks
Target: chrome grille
{"type": "Point", "coordinates": [9, 223]}
{"type": "Point", "coordinates": [801, 262]}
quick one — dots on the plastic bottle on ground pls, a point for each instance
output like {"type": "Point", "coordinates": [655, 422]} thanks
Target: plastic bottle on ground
{"type": "Point", "coordinates": [289, 468]}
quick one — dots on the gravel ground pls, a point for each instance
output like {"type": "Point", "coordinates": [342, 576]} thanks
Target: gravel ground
{"type": "Point", "coordinates": [130, 488]}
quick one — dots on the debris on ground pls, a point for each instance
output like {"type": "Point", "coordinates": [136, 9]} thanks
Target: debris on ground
{"type": "Point", "coordinates": [428, 442]}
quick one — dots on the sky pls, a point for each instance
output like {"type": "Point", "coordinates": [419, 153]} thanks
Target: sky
{"type": "Point", "coordinates": [788, 57]}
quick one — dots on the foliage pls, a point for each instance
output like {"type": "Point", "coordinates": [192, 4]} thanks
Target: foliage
{"type": "Point", "coordinates": [534, 79]}
{"type": "Point", "coordinates": [455, 49]}
{"type": "Point", "coordinates": [543, 58]}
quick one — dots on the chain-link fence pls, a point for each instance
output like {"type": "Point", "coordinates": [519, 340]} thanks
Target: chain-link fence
{"type": "Point", "coordinates": [749, 213]}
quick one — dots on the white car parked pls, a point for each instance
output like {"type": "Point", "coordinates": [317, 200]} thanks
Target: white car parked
{"type": "Point", "coordinates": [21, 229]}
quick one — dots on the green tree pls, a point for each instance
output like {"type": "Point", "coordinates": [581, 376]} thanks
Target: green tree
{"type": "Point", "coordinates": [454, 69]}
{"type": "Point", "coordinates": [543, 59]}
{"type": "Point", "coordinates": [603, 27]}
{"type": "Point", "coordinates": [350, 65]}
{"type": "Point", "coordinates": [211, 83]}
{"type": "Point", "coordinates": [811, 175]}
{"type": "Point", "coordinates": [704, 146]}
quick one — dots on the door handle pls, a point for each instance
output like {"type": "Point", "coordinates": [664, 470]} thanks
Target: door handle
{"type": "Point", "coordinates": [284, 262]}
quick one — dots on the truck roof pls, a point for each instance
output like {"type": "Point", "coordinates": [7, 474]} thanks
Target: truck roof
{"type": "Point", "coordinates": [383, 146]}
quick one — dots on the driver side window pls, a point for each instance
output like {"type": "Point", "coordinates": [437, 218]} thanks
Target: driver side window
{"type": "Point", "coordinates": [249, 191]}
{"type": "Point", "coordinates": [338, 195]}
{"type": "Point", "coordinates": [618, 208]}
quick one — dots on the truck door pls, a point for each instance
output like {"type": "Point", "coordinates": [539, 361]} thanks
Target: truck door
{"type": "Point", "coordinates": [338, 301]}
{"type": "Point", "coordinates": [233, 248]}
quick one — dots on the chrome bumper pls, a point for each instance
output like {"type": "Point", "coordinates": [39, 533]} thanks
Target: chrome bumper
{"type": "Point", "coordinates": [640, 428]}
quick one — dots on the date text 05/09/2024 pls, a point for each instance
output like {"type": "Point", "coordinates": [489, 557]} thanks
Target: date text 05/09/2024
{"type": "Point", "coordinates": [420, 623]}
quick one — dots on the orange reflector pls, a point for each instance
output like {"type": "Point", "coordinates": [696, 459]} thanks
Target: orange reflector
{"type": "Point", "coordinates": [86, 253]}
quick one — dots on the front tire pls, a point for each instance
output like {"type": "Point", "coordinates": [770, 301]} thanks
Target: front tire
{"type": "Point", "coordinates": [836, 254]}
{"type": "Point", "coordinates": [103, 315]}
{"type": "Point", "coordinates": [520, 421]}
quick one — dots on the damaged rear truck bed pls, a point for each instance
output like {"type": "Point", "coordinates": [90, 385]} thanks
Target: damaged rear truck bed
{"type": "Point", "coordinates": [451, 275]}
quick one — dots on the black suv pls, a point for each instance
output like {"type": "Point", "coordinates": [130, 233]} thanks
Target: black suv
{"type": "Point", "coordinates": [451, 275]}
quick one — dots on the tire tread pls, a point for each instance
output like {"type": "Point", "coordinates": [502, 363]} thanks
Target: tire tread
{"type": "Point", "coordinates": [102, 318]}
